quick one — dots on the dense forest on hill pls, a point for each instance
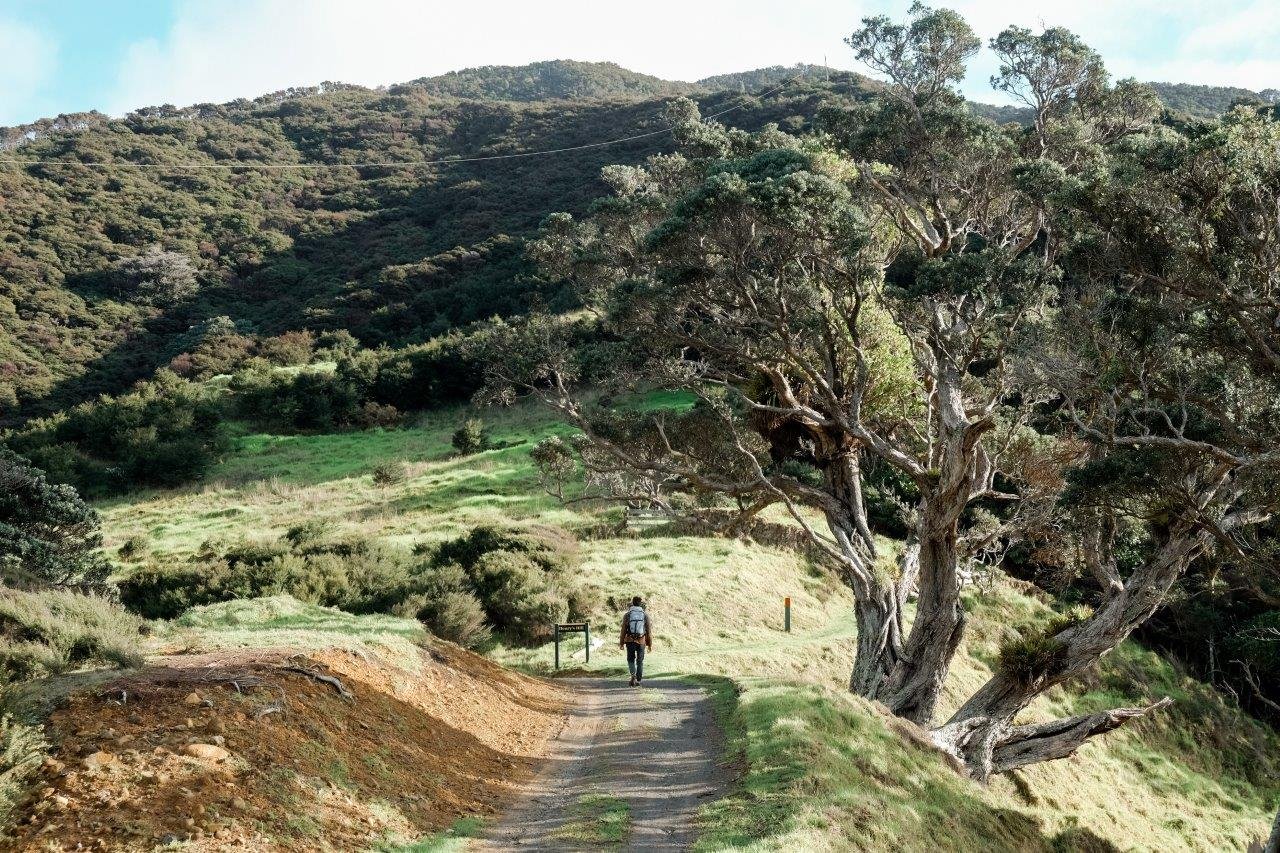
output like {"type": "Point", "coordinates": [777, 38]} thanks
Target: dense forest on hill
{"type": "Point", "coordinates": [1209, 101]}
{"type": "Point", "coordinates": [541, 81]}
{"type": "Point", "coordinates": [392, 254]}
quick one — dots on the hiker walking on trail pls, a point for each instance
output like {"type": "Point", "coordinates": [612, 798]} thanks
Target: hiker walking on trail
{"type": "Point", "coordinates": [636, 637]}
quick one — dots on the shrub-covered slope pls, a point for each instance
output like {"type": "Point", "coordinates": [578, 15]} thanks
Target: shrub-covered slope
{"type": "Point", "coordinates": [392, 254]}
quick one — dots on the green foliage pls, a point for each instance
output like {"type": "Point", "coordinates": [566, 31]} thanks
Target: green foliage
{"type": "Point", "coordinates": [545, 80]}
{"type": "Point", "coordinates": [1033, 657]}
{"type": "Point", "coordinates": [1207, 102]}
{"type": "Point", "coordinates": [164, 433]}
{"type": "Point", "coordinates": [155, 277]}
{"type": "Point", "coordinates": [519, 582]}
{"type": "Point", "coordinates": [556, 462]}
{"type": "Point", "coordinates": [352, 574]}
{"type": "Point", "coordinates": [382, 254]}
{"type": "Point", "coordinates": [390, 473]}
{"type": "Point", "coordinates": [51, 631]}
{"type": "Point", "coordinates": [22, 748]}
{"type": "Point", "coordinates": [471, 437]}
{"type": "Point", "coordinates": [448, 607]}
{"type": "Point", "coordinates": [48, 535]}
{"type": "Point", "coordinates": [524, 579]}
{"type": "Point", "coordinates": [307, 401]}
{"type": "Point", "coordinates": [132, 548]}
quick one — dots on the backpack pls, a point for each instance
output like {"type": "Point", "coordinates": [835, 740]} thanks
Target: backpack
{"type": "Point", "coordinates": [635, 621]}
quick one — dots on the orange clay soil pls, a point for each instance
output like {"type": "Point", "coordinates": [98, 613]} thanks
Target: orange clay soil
{"type": "Point", "coordinates": [230, 750]}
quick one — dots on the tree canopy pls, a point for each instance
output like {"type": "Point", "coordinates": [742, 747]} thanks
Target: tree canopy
{"type": "Point", "coordinates": [1007, 335]}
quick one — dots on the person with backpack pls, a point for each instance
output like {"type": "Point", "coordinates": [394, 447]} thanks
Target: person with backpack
{"type": "Point", "coordinates": [636, 638]}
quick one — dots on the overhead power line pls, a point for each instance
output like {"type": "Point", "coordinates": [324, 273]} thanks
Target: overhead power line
{"type": "Point", "coordinates": [393, 164]}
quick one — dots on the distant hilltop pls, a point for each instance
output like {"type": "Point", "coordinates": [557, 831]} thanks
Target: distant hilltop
{"type": "Point", "coordinates": [567, 79]}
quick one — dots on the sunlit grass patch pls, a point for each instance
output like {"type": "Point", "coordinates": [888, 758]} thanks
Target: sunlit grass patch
{"type": "Point", "coordinates": [281, 621]}
{"type": "Point", "coordinates": [452, 840]}
{"type": "Point", "coordinates": [597, 819]}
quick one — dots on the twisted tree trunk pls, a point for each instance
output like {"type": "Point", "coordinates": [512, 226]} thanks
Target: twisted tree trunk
{"type": "Point", "coordinates": [912, 687]}
{"type": "Point", "coordinates": [1273, 843]}
{"type": "Point", "coordinates": [982, 733]}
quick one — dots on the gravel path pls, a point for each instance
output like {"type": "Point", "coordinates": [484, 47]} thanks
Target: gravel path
{"type": "Point", "coordinates": [655, 747]}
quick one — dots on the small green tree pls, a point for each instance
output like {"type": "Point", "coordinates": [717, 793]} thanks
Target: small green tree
{"type": "Point", "coordinates": [48, 535]}
{"type": "Point", "coordinates": [471, 437]}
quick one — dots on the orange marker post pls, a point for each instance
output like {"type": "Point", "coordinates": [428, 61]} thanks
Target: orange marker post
{"type": "Point", "coordinates": [786, 619]}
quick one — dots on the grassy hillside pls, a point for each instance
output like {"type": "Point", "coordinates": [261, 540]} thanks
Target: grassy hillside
{"type": "Point", "coordinates": [822, 770]}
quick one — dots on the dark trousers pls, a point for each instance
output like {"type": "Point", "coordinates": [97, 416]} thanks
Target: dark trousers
{"type": "Point", "coordinates": [635, 660]}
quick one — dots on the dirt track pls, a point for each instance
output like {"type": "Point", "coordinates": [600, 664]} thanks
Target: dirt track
{"type": "Point", "coordinates": [655, 747]}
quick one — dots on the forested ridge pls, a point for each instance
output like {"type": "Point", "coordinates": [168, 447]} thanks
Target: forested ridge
{"type": "Point", "coordinates": [393, 255]}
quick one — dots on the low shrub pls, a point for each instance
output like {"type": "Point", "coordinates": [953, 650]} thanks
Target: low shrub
{"type": "Point", "coordinates": [471, 437]}
{"type": "Point", "coordinates": [50, 631]}
{"type": "Point", "coordinates": [353, 574]}
{"type": "Point", "coordinates": [22, 748]}
{"type": "Point", "coordinates": [524, 579]}
{"type": "Point", "coordinates": [457, 616]}
{"type": "Point", "coordinates": [519, 582]}
{"type": "Point", "coordinates": [391, 473]}
{"type": "Point", "coordinates": [373, 415]}
{"type": "Point", "coordinates": [165, 432]}
{"type": "Point", "coordinates": [133, 548]}
{"type": "Point", "coordinates": [553, 549]}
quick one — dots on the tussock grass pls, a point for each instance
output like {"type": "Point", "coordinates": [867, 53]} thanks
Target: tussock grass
{"type": "Point", "coordinates": [47, 632]}
{"type": "Point", "coordinates": [598, 819]}
{"type": "Point", "coordinates": [281, 621]}
{"type": "Point", "coordinates": [22, 748]}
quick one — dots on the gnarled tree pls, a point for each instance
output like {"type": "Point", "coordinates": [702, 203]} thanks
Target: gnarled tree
{"type": "Point", "coordinates": [1164, 363]}
{"type": "Point", "coordinates": [888, 296]}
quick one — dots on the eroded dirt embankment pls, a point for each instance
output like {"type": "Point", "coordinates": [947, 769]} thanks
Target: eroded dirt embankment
{"type": "Point", "coordinates": [250, 750]}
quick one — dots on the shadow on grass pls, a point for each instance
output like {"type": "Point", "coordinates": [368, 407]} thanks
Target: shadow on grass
{"type": "Point", "coordinates": [813, 769]}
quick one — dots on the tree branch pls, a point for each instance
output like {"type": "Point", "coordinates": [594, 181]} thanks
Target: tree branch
{"type": "Point", "coordinates": [1023, 745]}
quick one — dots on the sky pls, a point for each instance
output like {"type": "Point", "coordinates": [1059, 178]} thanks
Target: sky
{"type": "Point", "coordinates": [61, 56]}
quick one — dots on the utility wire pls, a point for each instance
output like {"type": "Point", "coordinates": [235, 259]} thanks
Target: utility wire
{"type": "Point", "coordinates": [397, 164]}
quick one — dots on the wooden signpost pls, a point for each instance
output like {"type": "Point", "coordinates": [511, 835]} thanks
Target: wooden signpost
{"type": "Point", "coordinates": [572, 628]}
{"type": "Point", "coordinates": [786, 614]}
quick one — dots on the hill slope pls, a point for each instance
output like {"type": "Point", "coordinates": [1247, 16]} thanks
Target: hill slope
{"type": "Point", "coordinates": [557, 79]}
{"type": "Point", "coordinates": [822, 769]}
{"type": "Point", "coordinates": [391, 254]}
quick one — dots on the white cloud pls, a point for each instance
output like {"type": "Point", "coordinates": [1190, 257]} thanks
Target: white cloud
{"type": "Point", "coordinates": [242, 48]}
{"type": "Point", "coordinates": [28, 59]}
{"type": "Point", "coordinates": [215, 52]}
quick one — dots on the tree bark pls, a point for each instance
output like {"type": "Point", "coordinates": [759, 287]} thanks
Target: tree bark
{"type": "Point", "coordinates": [1273, 843]}
{"type": "Point", "coordinates": [912, 687]}
{"type": "Point", "coordinates": [982, 734]}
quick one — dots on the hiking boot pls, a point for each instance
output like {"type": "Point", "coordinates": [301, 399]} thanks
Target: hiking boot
{"type": "Point", "coordinates": [633, 682]}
